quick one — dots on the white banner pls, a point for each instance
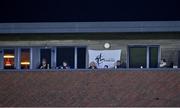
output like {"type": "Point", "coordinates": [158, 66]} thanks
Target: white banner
{"type": "Point", "coordinates": [104, 58]}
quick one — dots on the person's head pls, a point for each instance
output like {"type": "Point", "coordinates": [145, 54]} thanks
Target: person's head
{"type": "Point", "coordinates": [65, 64]}
{"type": "Point", "coordinates": [92, 64]}
{"type": "Point", "coordinates": [163, 60]}
{"type": "Point", "coordinates": [118, 62]}
{"type": "Point", "coordinates": [105, 66]}
{"type": "Point", "coordinates": [44, 61]}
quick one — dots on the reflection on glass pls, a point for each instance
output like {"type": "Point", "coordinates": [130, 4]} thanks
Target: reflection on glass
{"type": "Point", "coordinates": [25, 58]}
{"type": "Point", "coordinates": [8, 59]}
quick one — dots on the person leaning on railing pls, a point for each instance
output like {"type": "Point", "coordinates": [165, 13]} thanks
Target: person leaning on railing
{"type": "Point", "coordinates": [119, 64]}
{"type": "Point", "coordinates": [44, 64]}
{"type": "Point", "coordinates": [92, 65]}
{"type": "Point", "coordinates": [163, 64]}
{"type": "Point", "coordinates": [64, 66]}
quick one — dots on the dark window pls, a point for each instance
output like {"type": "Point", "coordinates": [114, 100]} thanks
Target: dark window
{"type": "Point", "coordinates": [9, 59]}
{"type": "Point", "coordinates": [25, 58]}
{"type": "Point", "coordinates": [46, 54]}
{"type": "Point", "coordinates": [137, 57]}
{"type": "Point", "coordinates": [81, 58]}
{"type": "Point", "coordinates": [153, 57]}
{"type": "Point", "coordinates": [65, 54]}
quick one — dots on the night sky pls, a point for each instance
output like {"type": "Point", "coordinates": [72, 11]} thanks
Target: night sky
{"type": "Point", "coordinates": [88, 10]}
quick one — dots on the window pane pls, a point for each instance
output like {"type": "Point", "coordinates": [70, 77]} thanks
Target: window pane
{"type": "Point", "coordinates": [137, 57]}
{"type": "Point", "coordinates": [153, 54]}
{"type": "Point", "coordinates": [25, 58]}
{"type": "Point", "coordinates": [65, 54]}
{"type": "Point", "coordinates": [45, 55]}
{"type": "Point", "coordinates": [9, 58]}
{"type": "Point", "coordinates": [81, 58]}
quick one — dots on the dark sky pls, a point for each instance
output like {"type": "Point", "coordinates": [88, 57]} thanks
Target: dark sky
{"type": "Point", "coordinates": [88, 10]}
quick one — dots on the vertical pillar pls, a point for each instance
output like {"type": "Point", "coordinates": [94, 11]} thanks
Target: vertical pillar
{"type": "Point", "coordinates": [35, 57]}
{"type": "Point", "coordinates": [159, 55]}
{"type": "Point", "coordinates": [127, 56]}
{"type": "Point", "coordinates": [17, 58]}
{"type": "Point", "coordinates": [53, 57]}
{"type": "Point", "coordinates": [31, 58]}
{"type": "Point", "coordinates": [75, 57]}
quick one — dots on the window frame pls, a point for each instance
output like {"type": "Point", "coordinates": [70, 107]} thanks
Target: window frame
{"type": "Point", "coordinates": [147, 53]}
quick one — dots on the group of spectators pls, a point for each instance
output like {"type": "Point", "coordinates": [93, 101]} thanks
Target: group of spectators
{"type": "Point", "coordinates": [45, 65]}
{"type": "Point", "coordinates": [92, 65]}
{"type": "Point", "coordinates": [118, 64]}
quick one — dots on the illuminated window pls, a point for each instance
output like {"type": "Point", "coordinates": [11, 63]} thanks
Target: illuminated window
{"type": "Point", "coordinates": [9, 58]}
{"type": "Point", "coordinates": [25, 58]}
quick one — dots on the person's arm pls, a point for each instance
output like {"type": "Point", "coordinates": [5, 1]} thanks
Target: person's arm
{"type": "Point", "coordinates": [163, 64]}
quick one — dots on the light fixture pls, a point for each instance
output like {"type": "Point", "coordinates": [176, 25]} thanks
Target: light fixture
{"type": "Point", "coordinates": [25, 63]}
{"type": "Point", "coordinates": [8, 56]}
{"type": "Point", "coordinates": [107, 45]}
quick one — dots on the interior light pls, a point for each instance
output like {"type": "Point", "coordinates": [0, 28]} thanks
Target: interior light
{"type": "Point", "coordinates": [8, 56]}
{"type": "Point", "coordinates": [25, 63]}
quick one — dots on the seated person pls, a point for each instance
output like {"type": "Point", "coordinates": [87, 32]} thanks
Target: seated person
{"type": "Point", "coordinates": [120, 64]}
{"type": "Point", "coordinates": [163, 63]}
{"type": "Point", "coordinates": [117, 64]}
{"type": "Point", "coordinates": [171, 65]}
{"type": "Point", "coordinates": [64, 66]}
{"type": "Point", "coordinates": [106, 66]}
{"type": "Point", "coordinates": [43, 64]}
{"type": "Point", "coordinates": [92, 65]}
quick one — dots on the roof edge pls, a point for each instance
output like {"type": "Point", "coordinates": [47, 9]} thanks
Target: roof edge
{"type": "Point", "coordinates": [90, 27]}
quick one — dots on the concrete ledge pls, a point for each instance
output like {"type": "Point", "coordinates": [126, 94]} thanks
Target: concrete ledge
{"type": "Point", "coordinates": [94, 70]}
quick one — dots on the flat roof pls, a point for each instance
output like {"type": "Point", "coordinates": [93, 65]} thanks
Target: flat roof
{"type": "Point", "coordinates": [90, 27]}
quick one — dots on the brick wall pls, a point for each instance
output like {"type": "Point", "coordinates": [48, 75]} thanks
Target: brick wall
{"type": "Point", "coordinates": [90, 88]}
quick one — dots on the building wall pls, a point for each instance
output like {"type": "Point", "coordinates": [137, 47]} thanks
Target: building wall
{"type": "Point", "coordinates": [168, 47]}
